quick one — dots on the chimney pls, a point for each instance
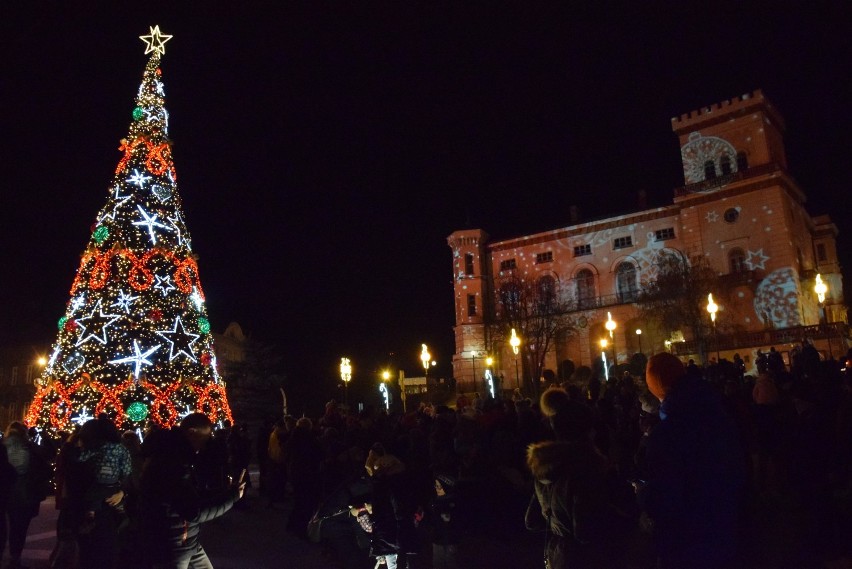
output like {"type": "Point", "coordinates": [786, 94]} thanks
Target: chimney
{"type": "Point", "coordinates": [643, 200]}
{"type": "Point", "coordinates": [574, 213]}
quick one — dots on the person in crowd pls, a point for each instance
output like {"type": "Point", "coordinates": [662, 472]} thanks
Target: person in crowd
{"type": "Point", "coordinates": [570, 501]}
{"type": "Point", "coordinates": [445, 527]}
{"type": "Point", "coordinates": [103, 514]}
{"type": "Point", "coordinates": [239, 456]}
{"type": "Point", "coordinates": [173, 504]}
{"type": "Point", "coordinates": [31, 486]}
{"type": "Point", "coordinates": [695, 478]}
{"type": "Point", "coordinates": [7, 482]}
{"type": "Point", "coordinates": [383, 515]}
{"type": "Point", "coordinates": [302, 458]}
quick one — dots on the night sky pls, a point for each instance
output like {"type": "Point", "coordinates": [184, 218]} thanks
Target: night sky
{"type": "Point", "coordinates": [324, 153]}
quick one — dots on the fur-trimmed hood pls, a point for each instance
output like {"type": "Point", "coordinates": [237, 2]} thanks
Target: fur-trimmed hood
{"type": "Point", "coordinates": [554, 460]}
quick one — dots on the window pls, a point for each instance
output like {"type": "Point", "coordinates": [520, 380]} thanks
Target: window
{"type": "Point", "coordinates": [725, 164]}
{"type": "Point", "coordinates": [736, 261]}
{"type": "Point", "coordinates": [626, 285]}
{"type": "Point", "coordinates": [546, 290]}
{"type": "Point", "coordinates": [821, 256]}
{"type": "Point", "coordinates": [742, 161]}
{"type": "Point", "coordinates": [468, 263]}
{"type": "Point", "coordinates": [508, 265]}
{"type": "Point", "coordinates": [14, 379]}
{"type": "Point", "coordinates": [544, 257]}
{"type": "Point", "coordinates": [622, 242]}
{"type": "Point", "coordinates": [582, 250]}
{"type": "Point", "coordinates": [471, 305]}
{"type": "Point", "coordinates": [28, 373]}
{"type": "Point", "coordinates": [665, 234]}
{"type": "Point", "coordinates": [510, 296]}
{"type": "Point", "coordinates": [585, 282]}
{"type": "Point", "coordinates": [709, 170]}
{"type": "Point", "coordinates": [731, 215]}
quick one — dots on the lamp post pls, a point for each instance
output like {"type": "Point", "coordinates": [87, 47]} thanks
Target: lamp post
{"type": "Point", "coordinates": [515, 342]}
{"type": "Point", "coordinates": [712, 308]}
{"type": "Point", "coordinates": [604, 343]}
{"type": "Point", "coordinates": [639, 337]}
{"type": "Point", "coordinates": [668, 344]}
{"type": "Point", "coordinates": [346, 376]}
{"type": "Point", "coordinates": [425, 357]}
{"type": "Point", "coordinates": [473, 354]}
{"type": "Point", "coordinates": [489, 376]}
{"type": "Point", "coordinates": [821, 289]}
{"type": "Point", "coordinates": [610, 326]}
{"type": "Point", "coordinates": [383, 389]}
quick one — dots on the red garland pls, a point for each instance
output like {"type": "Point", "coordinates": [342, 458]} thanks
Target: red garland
{"type": "Point", "coordinates": [140, 277]}
{"type": "Point", "coordinates": [162, 398]}
{"type": "Point", "coordinates": [110, 396]}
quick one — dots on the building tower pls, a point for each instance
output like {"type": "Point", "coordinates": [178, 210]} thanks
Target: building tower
{"type": "Point", "coordinates": [470, 288]}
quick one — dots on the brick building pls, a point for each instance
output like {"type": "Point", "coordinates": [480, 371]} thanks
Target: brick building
{"type": "Point", "coordinates": [19, 367]}
{"type": "Point", "coordinates": [739, 208]}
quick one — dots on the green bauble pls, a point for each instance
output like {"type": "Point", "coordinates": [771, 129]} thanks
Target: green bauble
{"type": "Point", "coordinates": [138, 113]}
{"type": "Point", "coordinates": [100, 234]}
{"type": "Point", "coordinates": [61, 323]}
{"type": "Point", "coordinates": [204, 325]}
{"type": "Point", "coordinates": [137, 411]}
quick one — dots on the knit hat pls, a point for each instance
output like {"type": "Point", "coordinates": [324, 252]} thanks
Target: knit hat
{"type": "Point", "coordinates": [664, 371]}
{"type": "Point", "coordinates": [447, 481]}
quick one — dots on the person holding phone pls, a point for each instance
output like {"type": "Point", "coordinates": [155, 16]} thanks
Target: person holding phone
{"type": "Point", "coordinates": [172, 504]}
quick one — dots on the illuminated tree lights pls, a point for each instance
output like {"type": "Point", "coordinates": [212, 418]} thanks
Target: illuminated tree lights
{"type": "Point", "coordinates": [134, 342]}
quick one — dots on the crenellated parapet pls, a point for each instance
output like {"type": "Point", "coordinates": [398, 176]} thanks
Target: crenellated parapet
{"type": "Point", "coordinates": [743, 104]}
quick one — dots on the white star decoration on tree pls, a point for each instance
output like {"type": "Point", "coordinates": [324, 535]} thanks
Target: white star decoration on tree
{"type": "Point", "coordinates": [155, 41]}
{"type": "Point", "coordinates": [82, 417]}
{"type": "Point", "coordinates": [99, 322]}
{"type": "Point", "coordinates": [120, 201]}
{"type": "Point", "coordinates": [77, 303]}
{"type": "Point", "coordinates": [138, 178]}
{"type": "Point", "coordinates": [196, 299]}
{"type": "Point", "coordinates": [150, 221]}
{"type": "Point", "coordinates": [181, 340]}
{"type": "Point", "coordinates": [756, 260]}
{"type": "Point", "coordinates": [164, 284]}
{"type": "Point", "coordinates": [124, 301]}
{"type": "Point", "coordinates": [137, 359]}
{"type": "Point", "coordinates": [711, 217]}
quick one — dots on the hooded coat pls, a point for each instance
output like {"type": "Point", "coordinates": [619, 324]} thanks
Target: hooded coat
{"type": "Point", "coordinates": [570, 501]}
{"type": "Point", "coordinates": [695, 478]}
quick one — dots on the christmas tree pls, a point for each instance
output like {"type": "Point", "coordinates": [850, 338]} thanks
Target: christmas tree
{"type": "Point", "coordinates": [134, 341]}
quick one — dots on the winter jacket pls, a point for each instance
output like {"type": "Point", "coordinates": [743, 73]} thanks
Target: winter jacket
{"type": "Point", "coordinates": [570, 495]}
{"type": "Point", "coordinates": [172, 506]}
{"type": "Point", "coordinates": [695, 477]}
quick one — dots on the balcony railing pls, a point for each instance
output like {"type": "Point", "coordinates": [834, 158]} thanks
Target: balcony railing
{"type": "Point", "coordinates": [774, 337]}
{"type": "Point", "coordinates": [724, 179]}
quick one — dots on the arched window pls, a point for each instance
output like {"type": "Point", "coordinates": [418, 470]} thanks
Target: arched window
{"type": "Point", "coordinates": [625, 282]}
{"type": "Point", "coordinates": [546, 290]}
{"type": "Point", "coordinates": [510, 299]}
{"type": "Point", "coordinates": [736, 261]}
{"type": "Point", "coordinates": [585, 282]}
{"type": "Point", "coordinates": [725, 164]}
{"type": "Point", "coordinates": [709, 170]}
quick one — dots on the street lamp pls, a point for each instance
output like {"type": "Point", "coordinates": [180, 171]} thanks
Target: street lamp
{"type": "Point", "coordinates": [604, 343]}
{"type": "Point", "coordinates": [639, 337]}
{"type": "Point", "coordinates": [346, 376]}
{"type": "Point", "coordinates": [383, 389]}
{"type": "Point", "coordinates": [712, 308]}
{"type": "Point", "coordinates": [425, 357]}
{"type": "Point", "coordinates": [515, 342]}
{"type": "Point", "coordinates": [41, 361]}
{"type": "Point", "coordinates": [610, 326]}
{"type": "Point", "coordinates": [473, 355]}
{"type": "Point", "coordinates": [489, 376]}
{"type": "Point", "coordinates": [668, 344]}
{"type": "Point", "coordinates": [821, 289]}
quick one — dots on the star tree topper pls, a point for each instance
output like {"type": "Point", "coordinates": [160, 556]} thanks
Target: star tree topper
{"type": "Point", "coordinates": [155, 41]}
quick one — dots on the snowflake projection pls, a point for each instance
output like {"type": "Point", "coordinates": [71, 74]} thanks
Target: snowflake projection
{"type": "Point", "coordinates": [776, 300]}
{"type": "Point", "coordinates": [756, 260]}
{"type": "Point", "coordinates": [712, 217]}
{"type": "Point", "coordinates": [700, 150]}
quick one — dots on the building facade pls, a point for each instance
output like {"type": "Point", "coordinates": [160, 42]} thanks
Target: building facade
{"type": "Point", "coordinates": [19, 367]}
{"type": "Point", "coordinates": [739, 209]}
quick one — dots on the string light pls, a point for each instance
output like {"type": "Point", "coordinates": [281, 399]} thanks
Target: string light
{"type": "Point", "coordinates": [138, 263]}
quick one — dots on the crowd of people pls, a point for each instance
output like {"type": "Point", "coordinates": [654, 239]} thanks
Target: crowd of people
{"type": "Point", "coordinates": [678, 467]}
